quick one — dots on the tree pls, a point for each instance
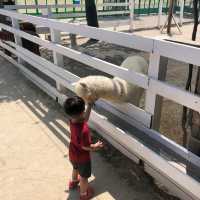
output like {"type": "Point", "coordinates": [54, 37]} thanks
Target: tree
{"type": "Point", "coordinates": [92, 20]}
{"type": "Point", "coordinates": [91, 13]}
{"type": "Point", "coordinates": [91, 17]}
{"type": "Point", "coordinates": [170, 15]}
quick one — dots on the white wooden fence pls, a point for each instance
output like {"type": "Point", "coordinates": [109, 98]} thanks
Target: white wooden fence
{"type": "Point", "coordinates": [176, 180]}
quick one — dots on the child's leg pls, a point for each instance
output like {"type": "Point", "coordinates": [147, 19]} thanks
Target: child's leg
{"type": "Point", "coordinates": [86, 192]}
{"type": "Point", "coordinates": [83, 185]}
{"type": "Point", "coordinates": [85, 173]}
{"type": "Point", "coordinates": [74, 175]}
{"type": "Point", "coordinates": [74, 181]}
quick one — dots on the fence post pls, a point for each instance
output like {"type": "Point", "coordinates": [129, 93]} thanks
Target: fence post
{"type": "Point", "coordinates": [126, 1]}
{"type": "Point", "coordinates": [57, 58]}
{"type": "Point", "coordinates": [18, 41]}
{"type": "Point", "coordinates": [56, 38]}
{"type": "Point", "coordinates": [181, 12]}
{"type": "Point", "coordinates": [153, 103]}
{"type": "Point", "coordinates": [46, 12]}
{"type": "Point", "coordinates": [131, 8]}
{"type": "Point", "coordinates": [160, 13]}
{"type": "Point", "coordinates": [37, 10]}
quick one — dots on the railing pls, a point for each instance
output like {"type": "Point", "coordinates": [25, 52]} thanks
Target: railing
{"type": "Point", "coordinates": [143, 120]}
{"type": "Point", "coordinates": [77, 10]}
{"type": "Point", "coordinates": [69, 9]}
{"type": "Point", "coordinates": [142, 7]}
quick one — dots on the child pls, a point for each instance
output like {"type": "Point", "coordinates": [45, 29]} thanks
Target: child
{"type": "Point", "coordinates": [80, 145]}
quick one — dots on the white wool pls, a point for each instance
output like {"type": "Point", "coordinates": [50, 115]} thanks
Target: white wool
{"type": "Point", "coordinates": [134, 93]}
{"type": "Point", "coordinates": [116, 90]}
{"type": "Point", "coordinates": [94, 87]}
{"type": "Point", "coordinates": [135, 63]}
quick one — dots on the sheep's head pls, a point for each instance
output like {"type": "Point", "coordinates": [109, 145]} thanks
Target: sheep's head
{"type": "Point", "coordinates": [83, 90]}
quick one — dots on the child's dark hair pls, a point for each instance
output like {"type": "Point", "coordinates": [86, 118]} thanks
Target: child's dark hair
{"type": "Point", "coordinates": [74, 106]}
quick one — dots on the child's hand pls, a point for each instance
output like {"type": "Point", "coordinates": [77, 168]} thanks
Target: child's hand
{"type": "Point", "coordinates": [92, 100]}
{"type": "Point", "coordinates": [98, 145]}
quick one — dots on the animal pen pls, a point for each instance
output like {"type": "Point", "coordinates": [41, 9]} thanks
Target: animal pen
{"type": "Point", "coordinates": [135, 133]}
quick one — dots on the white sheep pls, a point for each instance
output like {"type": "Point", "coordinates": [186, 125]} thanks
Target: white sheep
{"type": "Point", "coordinates": [116, 90]}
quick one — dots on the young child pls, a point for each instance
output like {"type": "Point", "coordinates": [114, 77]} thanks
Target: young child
{"type": "Point", "coordinates": [80, 145]}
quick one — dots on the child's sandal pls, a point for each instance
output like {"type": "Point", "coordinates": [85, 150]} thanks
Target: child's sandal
{"type": "Point", "coordinates": [89, 195]}
{"type": "Point", "coordinates": [73, 184]}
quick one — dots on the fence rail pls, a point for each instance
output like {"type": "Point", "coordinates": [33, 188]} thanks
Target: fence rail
{"type": "Point", "coordinates": [130, 9]}
{"type": "Point", "coordinates": [142, 7]}
{"type": "Point", "coordinates": [135, 116]}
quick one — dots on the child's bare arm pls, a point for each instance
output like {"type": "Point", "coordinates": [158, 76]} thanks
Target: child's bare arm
{"type": "Point", "coordinates": [94, 147]}
{"type": "Point", "coordinates": [88, 111]}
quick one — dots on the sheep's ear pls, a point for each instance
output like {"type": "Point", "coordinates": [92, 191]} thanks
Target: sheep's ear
{"type": "Point", "coordinates": [86, 88]}
{"type": "Point", "coordinates": [84, 85]}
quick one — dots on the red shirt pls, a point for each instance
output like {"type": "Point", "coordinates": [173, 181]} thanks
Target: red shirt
{"type": "Point", "coordinates": [80, 136]}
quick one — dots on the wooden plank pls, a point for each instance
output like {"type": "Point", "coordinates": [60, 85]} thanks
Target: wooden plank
{"type": "Point", "coordinates": [153, 102]}
{"type": "Point", "coordinates": [170, 186]}
{"type": "Point", "coordinates": [131, 8]}
{"type": "Point", "coordinates": [171, 147]}
{"type": "Point", "coordinates": [64, 77]}
{"type": "Point", "coordinates": [159, 99]}
{"type": "Point", "coordinates": [112, 141]}
{"type": "Point", "coordinates": [46, 12]}
{"type": "Point", "coordinates": [38, 81]}
{"type": "Point", "coordinates": [38, 65]}
{"type": "Point", "coordinates": [139, 115]}
{"type": "Point", "coordinates": [56, 38]}
{"type": "Point", "coordinates": [175, 94]}
{"type": "Point", "coordinates": [133, 77]}
{"type": "Point", "coordinates": [184, 42]}
{"type": "Point", "coordinates": [127, 112]}
{"type": "Point", "coordinates": [42, 30]}
{"type": "Point", "coordinates": [177, 51]}
{"type": "Point", "coordinates": [18, 40]}
{"type": "Point", "coordinates": [153, 70]}
{"type": "Point", "coordinates": [119, 38]}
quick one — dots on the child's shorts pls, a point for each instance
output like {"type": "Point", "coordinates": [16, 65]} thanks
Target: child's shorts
{"type": "Point", "coordinates": [84, 169]}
